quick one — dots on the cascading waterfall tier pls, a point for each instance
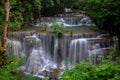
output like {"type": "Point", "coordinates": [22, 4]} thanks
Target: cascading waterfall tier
{"type": "Point", "coordinates": [14, 47]}
{"type": "Point", "coordinates": [85, 48]}
{"type": "Point", "coordinates": [47, 53]}
{"type": "Point", "coordinates": [68, 20]}
{"type": "Point", "coordinates": [78, 50]}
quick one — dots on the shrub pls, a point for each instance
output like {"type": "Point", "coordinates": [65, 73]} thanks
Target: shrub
{"type": "Point", "coordinates": [86, 71]}
{"type": "Point", "coordinates": [14, 26]}
{"type": "Point", "coordinates": [106, 70]}
{"type": "Point", "coordinates": [58, 27]}
{"type": "Point", "coordinates": [9, 72]}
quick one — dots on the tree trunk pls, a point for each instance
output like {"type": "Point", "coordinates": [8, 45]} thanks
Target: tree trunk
{"type": "Point", "coordinates": [3, 45]}
{"type": "Point", "coordinates": [5, 24]}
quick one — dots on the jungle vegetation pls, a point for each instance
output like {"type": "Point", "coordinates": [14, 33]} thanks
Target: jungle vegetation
{"type": "Point", "coordinates": [17, 14]}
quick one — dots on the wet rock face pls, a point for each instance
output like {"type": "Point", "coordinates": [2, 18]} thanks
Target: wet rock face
{"type": "Point", "coordinates": [52, 73]}
{"type": "Point", "coordinates": [30, 43]}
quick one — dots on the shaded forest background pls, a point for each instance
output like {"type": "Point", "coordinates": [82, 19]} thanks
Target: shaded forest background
{"type": "Point", "coordinates": [105, 13]}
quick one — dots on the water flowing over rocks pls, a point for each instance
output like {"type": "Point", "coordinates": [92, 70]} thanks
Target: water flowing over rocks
{"type": "Point", "coordinates": [68, 20]}
{"type": "Point", "coordinates": [46, 53]}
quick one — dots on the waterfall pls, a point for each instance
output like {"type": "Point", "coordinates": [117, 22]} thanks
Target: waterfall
{"type": "Point", "coordinates": [78, 50]}
{"type": "Point", "coordinates": [46, 53]}
{"type": "Point", "coordinates": [89, 49]}
{"type": "Point", "coordinates": [14, 47]}
{"type": "Point", "coordinates": [55, 58]}
{"type": "Point", "coordinates": [37, 60]}
{"type": "Point", "coordinates": [98, 53]}
{"type": "Point", "coordinates": [68, 20]}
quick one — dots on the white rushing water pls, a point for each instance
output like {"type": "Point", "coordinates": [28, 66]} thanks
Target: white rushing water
{"type": "Point", "coordinates": [66, 20]}
{"type": "Point", "coordinates": [46, 53]}
{"type": "Point", "coordinates": [78, 50]}
{"type": "Point", "coordinates": [15, 47]}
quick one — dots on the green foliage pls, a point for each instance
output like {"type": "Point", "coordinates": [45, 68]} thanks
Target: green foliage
{"type": "Point", "coordinates": [86, 71]}
{"type": "Point", "coordinates": [108, 70]}
{"type": "Point", "coordinates": [21, 12]}
{"type": "Point", "coordinates": [14, 26]}
{"type": "Point", "coordinates": [105, 13]}
{"type": "Point", "coordinates": [15, 16]}
{"type": "Point", "coordinates": [52, 7]}
{"type": "Point", "coordinates": [47, 3]}
{"type": "Point", "coordinates": [9, 72]}
{"type": "Point", "coordinates": [58, 27]}
{"type": "Point", "coordinates": [30, 10]}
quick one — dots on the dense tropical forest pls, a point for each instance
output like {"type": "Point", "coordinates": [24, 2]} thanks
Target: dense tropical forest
{"type": "Point", "coordinates": [18, 15]}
